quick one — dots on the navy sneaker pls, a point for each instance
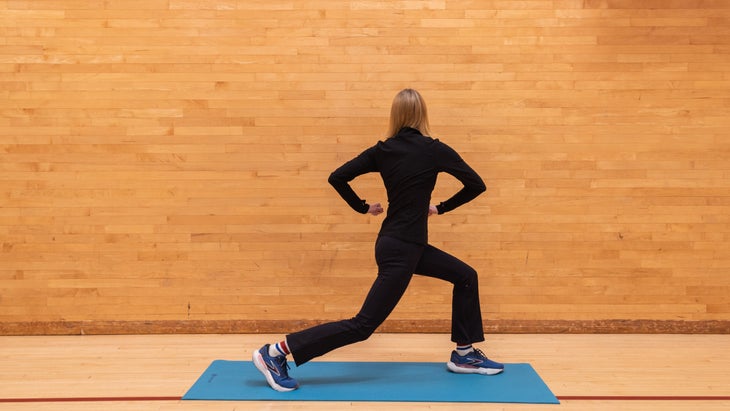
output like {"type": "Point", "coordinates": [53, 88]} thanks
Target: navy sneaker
{"type": "Point", "coordinates": [275, 369]}
{"type": "Point", "coordinates": [474, 362]}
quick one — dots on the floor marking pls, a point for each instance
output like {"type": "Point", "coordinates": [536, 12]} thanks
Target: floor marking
{"type": "Point", "coordinates": [559, 397]}
{"type": "Point", "coordinates": [90, 399]}
{"type": "Point", "coordinates": [644, 397]}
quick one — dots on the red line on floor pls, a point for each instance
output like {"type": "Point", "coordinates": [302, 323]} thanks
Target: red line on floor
{"type": "Point", "coordinates": [561, 398]}
{"type": "Point", "coordinates": [90, 399]}
{"type": "Point", "coordinates": [644, 397]}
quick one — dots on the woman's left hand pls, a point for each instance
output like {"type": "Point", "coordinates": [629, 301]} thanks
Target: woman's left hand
{"type": "Point", "coordinates": [375, 209]}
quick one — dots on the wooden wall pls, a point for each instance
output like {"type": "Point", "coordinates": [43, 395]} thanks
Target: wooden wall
{"type": "Point", "coordinates": [166, 160]}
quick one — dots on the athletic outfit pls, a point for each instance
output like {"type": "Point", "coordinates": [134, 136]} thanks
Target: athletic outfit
{"type": "Point", "coordinates": [408, 163]}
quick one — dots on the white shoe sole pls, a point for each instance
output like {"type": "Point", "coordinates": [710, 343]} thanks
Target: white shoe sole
{"type": "Point", "coordinates": [480, 370]}
{"type": "Point", "coordinates": [258, 361]}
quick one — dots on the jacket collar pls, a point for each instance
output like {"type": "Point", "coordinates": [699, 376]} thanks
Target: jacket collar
{"type": "Point", "coordinates": [408, 131]}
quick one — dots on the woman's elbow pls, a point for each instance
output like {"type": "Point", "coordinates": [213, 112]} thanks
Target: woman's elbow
{"type": "Point", "coordinates": [334, 179]}
{"type": "Point", "coordinates": [480, 188]}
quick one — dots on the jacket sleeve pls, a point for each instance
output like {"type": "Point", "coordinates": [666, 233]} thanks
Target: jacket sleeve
{"type": "Point", "coordinates": [450, 162]}
{"type": "Point", "coordinates": [340, 178]}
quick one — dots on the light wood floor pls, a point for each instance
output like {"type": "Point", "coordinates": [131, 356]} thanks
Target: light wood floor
{"type": "Point", "coordinates": [167, 365]}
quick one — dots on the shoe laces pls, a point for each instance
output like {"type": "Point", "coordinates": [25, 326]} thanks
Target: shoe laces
{"type": "Point", "coordinates": [479, 353]}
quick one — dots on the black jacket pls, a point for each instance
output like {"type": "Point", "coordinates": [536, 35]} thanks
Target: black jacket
{"type": "Point", "coordinates": [408, 163]}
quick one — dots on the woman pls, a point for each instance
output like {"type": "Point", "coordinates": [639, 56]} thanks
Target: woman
{"type": "Point", "coordinates": [408, 162]}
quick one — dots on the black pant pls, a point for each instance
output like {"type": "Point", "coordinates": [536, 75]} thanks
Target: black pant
{"type": "Point", "coordinates": [397, 262]}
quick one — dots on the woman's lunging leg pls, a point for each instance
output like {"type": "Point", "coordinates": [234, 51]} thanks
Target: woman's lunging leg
{"type": "Point", "coordinates": [466, 317]}
{"type": "Point", "coordinates": [466, 314]}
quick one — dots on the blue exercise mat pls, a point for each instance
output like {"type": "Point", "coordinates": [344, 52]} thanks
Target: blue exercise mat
{"type": "Point", "coordinates": [373, 381]}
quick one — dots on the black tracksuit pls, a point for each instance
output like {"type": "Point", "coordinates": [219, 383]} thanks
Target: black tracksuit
{"type": "Point", "coordinates": [409, 164]}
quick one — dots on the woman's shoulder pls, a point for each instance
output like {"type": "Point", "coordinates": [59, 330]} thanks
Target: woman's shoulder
{"type": "Point", "coordinates": [438, 143]}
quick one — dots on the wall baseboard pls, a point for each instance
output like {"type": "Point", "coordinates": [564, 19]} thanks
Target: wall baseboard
{"type": "Point", "coordinates": [390, 326]}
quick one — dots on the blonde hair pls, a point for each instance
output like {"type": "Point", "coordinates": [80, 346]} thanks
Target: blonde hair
{"type": "Point", "coordinates": [408, 110]}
